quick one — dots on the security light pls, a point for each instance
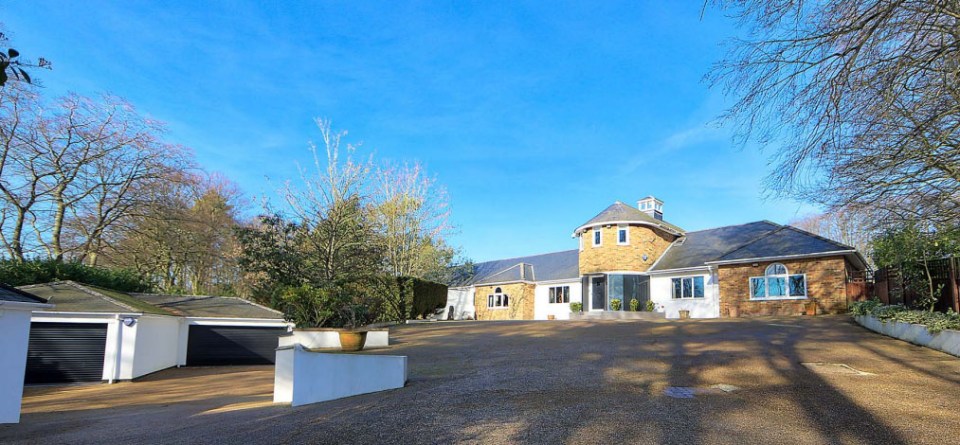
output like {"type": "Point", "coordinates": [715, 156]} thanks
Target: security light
{"type": "Point", "coordinates": [129, 321]}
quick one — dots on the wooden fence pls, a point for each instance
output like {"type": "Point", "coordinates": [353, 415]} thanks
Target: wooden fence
{"type": "Point", "coordinates": [891, 287]}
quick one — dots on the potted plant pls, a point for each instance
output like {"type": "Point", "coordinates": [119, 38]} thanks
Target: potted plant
{"type": "Point", "coordinates": [576, 307]}
{"type": "Point", "coordinates": [650, 307]}
{"type": "Point", "coordinates": [634, 304]}
{"type": "Point", "coordinates": [684, 314]}
{"type": "Point", "coordinates": [351, 338]}
{"type": "Point", "coordinates": [615, 304]}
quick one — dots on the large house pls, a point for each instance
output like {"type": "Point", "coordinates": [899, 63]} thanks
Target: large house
{"type": "Point", "coordinates": [627, 253]}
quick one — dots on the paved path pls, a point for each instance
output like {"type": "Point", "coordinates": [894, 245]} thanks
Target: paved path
{"type": "Point", "coordinates": [715, 381]}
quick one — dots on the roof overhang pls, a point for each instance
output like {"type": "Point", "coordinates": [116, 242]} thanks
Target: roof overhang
{"type": "Point", "coordinates": [580, 229]}
{"type": "Point", "coordinates": [852, 255]}
{"type": "Point", "coordinates": [680, 270]}
{"type": "Point", "coordinates": [24, 306]}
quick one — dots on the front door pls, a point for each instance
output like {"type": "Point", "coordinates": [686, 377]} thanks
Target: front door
{"type": "Point", "coordinates": [598, 293]}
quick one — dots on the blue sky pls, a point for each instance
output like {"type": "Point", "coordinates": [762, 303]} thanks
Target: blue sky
{"type": "Point", "coordinates": [535, 117]}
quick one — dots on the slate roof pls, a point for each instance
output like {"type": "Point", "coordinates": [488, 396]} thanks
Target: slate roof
{"type": "Point", "coordinates": [70, 296]}
{"type": "Point", "coordinates": [620, 212]}
{"type": "Point", "coordinates": [544, 267]}
{"type": "Point", "coordinates": [761, 239]}
{"type": "Point", "coordinates": [208, 306]}
{"type": "Point", "coordinates": [14, 295]}
{"type": "Point", "coordinates": [785, 241]}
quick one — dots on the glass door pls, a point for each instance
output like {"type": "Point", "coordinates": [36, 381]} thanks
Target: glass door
{"type": "Point", "coordinates": [598, 293]}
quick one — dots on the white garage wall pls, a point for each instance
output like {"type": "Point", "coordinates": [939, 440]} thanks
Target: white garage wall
{"type": "Point", "coordinates": [15, 326]}
{"type": "Point", "coordinates": [542, 308]}
{"type": "Point", "coordinates": [707, 307]}
{"type": "Point", "coordinates": [461, 298]}
{"type": "Point", "coordinates": [156, 346]}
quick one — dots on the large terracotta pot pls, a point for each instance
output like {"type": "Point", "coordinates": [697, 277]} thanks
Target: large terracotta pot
{"type": "Point", "coordinates": [352, 340]}
{"type": "Point", "coordinates": [812, 308]}
{"type": "Point", "coordinates": [684, 314]}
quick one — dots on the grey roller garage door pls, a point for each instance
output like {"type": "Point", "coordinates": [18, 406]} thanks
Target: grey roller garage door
{"type": "Point", "coordinates": [232, 345]}
{"type": "Point", "coordinates": [66, 352]}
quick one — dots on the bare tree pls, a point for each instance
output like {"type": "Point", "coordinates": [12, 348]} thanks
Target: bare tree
{"type": "Point", "coordinates": [412, 215]}
{"type": "Point", "coordinates": [854, 227]}
{"type": "Point", "coordinates": [859, 100]}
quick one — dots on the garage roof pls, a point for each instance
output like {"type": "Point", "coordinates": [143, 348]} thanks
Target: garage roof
{"type": "Point", "coordinates": [70, 296]}
{"type": "Point", "coordinates": [12, 294]}
{"type": "Point", "coordinates": [209, 306]}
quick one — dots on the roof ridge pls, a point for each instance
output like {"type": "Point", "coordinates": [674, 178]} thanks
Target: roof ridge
{"type": "Point", "coordinates": [805, 232]}
{"type": "Point", "coordinates": [779, 228]}
{"type": "Point", "coordinates": [737, 225]}
{"type": "Point", "coordinates": [83, 288]}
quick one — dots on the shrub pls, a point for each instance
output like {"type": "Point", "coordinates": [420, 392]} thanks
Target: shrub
{"type": "Point", "coordinates": [634, 304]}
{"type": "Point", "coordinates": [21, 273]}
{"type": "Point", "coordinates": [576, 307]}
{"type": "Point", "coordinates": [649, 306]}
{"type": "Point", "coordinates": [424, 297]}
{"type": "Point", "coordinates": [615, 304]}
{"type": "Point", "coordinates": [933, 321]}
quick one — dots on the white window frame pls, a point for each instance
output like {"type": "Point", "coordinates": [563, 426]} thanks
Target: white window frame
{"type": "Point", "coordinates": [581, 242]}
{"type": "Point", "coordinates": [498, 300]}
{"type": "Point", "coordinates": [564, 295]}
{"type": "Point", "coordinates": [692, 296]}
{"type": "Point", "coordinates": [786, 279]}
{"type": "Point", "coordinates": [597, 237]}
{"type": "Point", "coordinates": [626, 231]}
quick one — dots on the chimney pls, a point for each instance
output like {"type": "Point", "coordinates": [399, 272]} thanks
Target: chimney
{"type": "Point", "coordinates": [651, 206]}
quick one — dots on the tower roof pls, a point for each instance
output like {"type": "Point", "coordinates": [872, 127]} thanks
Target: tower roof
{"type": "Point", "coordinates": [620, 213]}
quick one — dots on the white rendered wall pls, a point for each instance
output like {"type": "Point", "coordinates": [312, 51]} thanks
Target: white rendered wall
{"type": "Point", "coordinates": [542, 308]}
{"type": "Point", "coordinates": [462, 301]}
{"type": "Point", "coordinates": [706, 307]}
{"type": "Point", "coordinates": [156, 345]}
{"type": "Point", "coordinates": [15, 326]}
{"type": "Point", "coordinates": [326, 339]}
{"type": "Point", "coordinates": [302, 377]}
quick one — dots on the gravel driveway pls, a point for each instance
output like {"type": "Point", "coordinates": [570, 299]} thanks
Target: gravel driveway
{"type": "Point", "coordinates": [772, 380]}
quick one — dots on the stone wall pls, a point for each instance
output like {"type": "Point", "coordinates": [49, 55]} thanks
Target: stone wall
{"type": "Point", "coordinates": [826, 285]}
{"type": "Point", "coordinates": [610, 256]}
{"type": "Point", "coordinates": [521, 298]}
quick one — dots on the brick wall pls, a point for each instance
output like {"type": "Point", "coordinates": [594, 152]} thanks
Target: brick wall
{"type": "Point", "coordinates": [610, 256]}
{"type": "Point", "coordinates": [826, 285]}
{"type": "Point", "coordinates": [521, 302]}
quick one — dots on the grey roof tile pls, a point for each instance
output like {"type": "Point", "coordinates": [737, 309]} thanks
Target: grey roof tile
{"type": "Point", "coordinates": [543, 267]}
{"type": "Point", "coordinates": [696, 248]}
{"type": "Point", "coordinates": [620, 212]}
{"type": "Point", "coordinates": [785, 241]}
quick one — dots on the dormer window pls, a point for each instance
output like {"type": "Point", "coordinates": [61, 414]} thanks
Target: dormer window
{"type": "Point", "coordinates": [623, 236]}
{"type": "Point", "coordinates": [597, 237]}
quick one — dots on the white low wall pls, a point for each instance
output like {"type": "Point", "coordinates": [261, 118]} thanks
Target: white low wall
{"type": "Point", "coordinates": [15, 325]}
{"type": "Point", "coordinates": [302, 377]}
{"type": "Point", "coordinates": [946, 341]}
{"type": "Point", "coordinates": [330, 339]}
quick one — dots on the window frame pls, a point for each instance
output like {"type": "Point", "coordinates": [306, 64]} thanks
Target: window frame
{"type": "Point", "coordinates": [769, 273]}
{"type": "Point", "coordinates": [498, 300]}
{"type": "Point", "coordinates": [597, 237]}
{"type": "Point", "coordinates": [626, 232]}
{"type": "Point", "coordinates": [692, 287]}
{"type": "Point", "coordinates": [564, 295]}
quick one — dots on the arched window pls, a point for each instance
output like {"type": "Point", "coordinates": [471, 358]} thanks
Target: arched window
{"type": "Point", "coordinates": [498, 299]}
{"type": "Point", "coordinates": [777, 283]}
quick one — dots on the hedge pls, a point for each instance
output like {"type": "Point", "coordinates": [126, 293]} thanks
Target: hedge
{"type": "Point", "coordinates": [421, 297]}
{"type": "Point", "coordinates": [22, 273]}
